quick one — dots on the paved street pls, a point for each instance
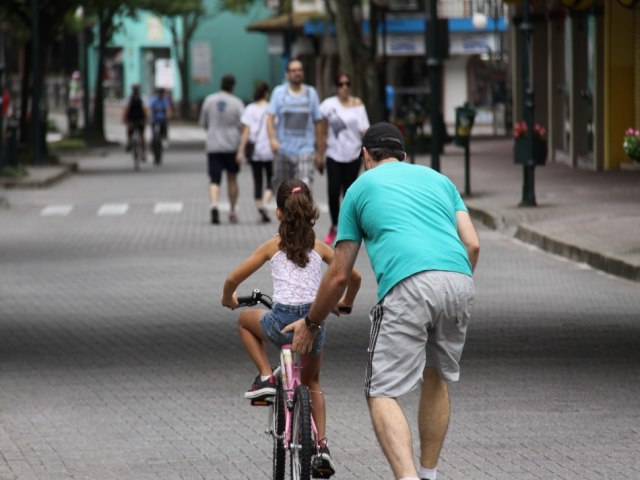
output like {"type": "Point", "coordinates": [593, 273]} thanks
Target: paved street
{"type": "Point", "coordinates": [117, 361]}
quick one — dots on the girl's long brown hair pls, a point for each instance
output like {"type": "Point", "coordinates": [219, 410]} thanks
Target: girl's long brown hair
{"type": "Point", "coordinates": [299, 215]}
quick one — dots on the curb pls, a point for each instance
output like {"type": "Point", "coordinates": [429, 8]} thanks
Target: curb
{"type": "Point", "coordinates": [609, 264]}
{"type": "Point", "coordinates": [64, 170]}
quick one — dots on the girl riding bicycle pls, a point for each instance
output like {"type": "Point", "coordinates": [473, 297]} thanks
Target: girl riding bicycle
{"type": "Point", "coordinates": [296, 258]}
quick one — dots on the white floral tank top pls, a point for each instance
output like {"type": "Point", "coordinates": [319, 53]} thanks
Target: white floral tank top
{"type": "Point", "coordinates": [293, 285]}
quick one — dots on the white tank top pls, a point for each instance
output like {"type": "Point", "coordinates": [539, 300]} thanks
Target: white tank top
{"type": "Point", "coordinates": [293, 285]}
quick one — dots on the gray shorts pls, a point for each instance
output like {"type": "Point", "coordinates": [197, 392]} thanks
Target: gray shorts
{"type": "Point", "coordinates": [300, 166]}
{"type": "Point", "coordinates": [422, 321]}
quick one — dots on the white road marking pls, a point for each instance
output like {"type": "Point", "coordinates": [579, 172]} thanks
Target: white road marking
{"type": "Point", "coordinates": [109, 209]}
{"type": "Point", "coordinates": [168, 207]}
{"type": "Point", "coordinates": [61, 210]}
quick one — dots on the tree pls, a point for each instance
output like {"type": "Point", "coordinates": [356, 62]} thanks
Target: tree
{"type": "Point", "coordinates": [105, 15]}
{"type": "Point", "coordinates": [53, 20]}
{"type": "Point", "coordinates": [183, 17]}
{"type": "Point", "coordinates": [357, 56]}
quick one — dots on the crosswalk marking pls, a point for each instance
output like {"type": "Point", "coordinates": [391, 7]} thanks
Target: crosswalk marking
{"type": "Point", "coordinates": [168, 207]}
{"type": "Point", "coordinates": [115, 209]}
{"type": "Point", "coordinates": [109, 209]}
{"type": "Point", "coordinates": [61, 210]}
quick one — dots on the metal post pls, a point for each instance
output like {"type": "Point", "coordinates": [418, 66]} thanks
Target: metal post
{"type": "Point", "coordinates": [384, 64]}
{"type": "Point", "coordinates": [2, 106]}
{"type": "Point", "coordinates": [85, 83]}
{"type": "Point", "coordinates": [435, 66]}
{"type": "Point", "coordinates": [35, 96]}
{"type": "Point", "coordinates": [467, 171]}
{"type": "Point", "coordinates": [528, 184]}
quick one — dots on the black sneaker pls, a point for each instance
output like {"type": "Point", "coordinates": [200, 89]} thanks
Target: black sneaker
{"type": "Point", "coordinates": [215, 218]}
{"type": "Point", "coordinates": [321, 464]}
{"type": "Point", "coordinates": [262, 388]}
{"type": "Point", "coordinates": [264, 217]}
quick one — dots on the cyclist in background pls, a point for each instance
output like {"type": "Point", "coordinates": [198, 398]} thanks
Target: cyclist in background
{"type": "Point", "coordinates": [160, 112]}
{"type": "Point", "coordinates": [296, 258]}
{"type": "Point", "coordinates": [135, 117]}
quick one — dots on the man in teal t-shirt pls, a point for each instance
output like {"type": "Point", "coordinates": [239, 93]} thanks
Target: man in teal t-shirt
{"type": "Point", "coordinates": [423, 249]}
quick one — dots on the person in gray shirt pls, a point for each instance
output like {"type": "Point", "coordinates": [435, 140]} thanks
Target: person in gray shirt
{"type": "Point", "coordinates": [220, 117]}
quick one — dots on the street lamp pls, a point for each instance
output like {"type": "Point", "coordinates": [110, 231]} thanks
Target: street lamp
{"type": "Point", "coordinates": [84, 68]}
{"type": "Point", "coordinates": [529, 166]}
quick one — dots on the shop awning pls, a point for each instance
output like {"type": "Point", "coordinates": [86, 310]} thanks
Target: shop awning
{"type": "Point", "coordinates": [282, 23]}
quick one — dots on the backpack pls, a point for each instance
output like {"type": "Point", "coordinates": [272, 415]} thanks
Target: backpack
{"type": "Point", "coordinates": [136, 109]}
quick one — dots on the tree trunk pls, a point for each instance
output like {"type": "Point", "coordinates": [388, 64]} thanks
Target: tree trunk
{"type": "Point", "coordinates": [185, 105]}
{"type": "Point", "coordinates": [25, 96]}
{"type": "Point", "coordinates": [105, 20]}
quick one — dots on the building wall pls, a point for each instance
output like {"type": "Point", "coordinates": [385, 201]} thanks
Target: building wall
{"type": "Point", "coordinates": [229, 47]}
{"type": "Point", "coordinates": [235, 51]}
{"type": "Point", "coordinates": [619, 92]}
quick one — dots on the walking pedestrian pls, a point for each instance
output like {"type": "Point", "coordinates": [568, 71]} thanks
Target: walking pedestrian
{"type": "Point", "coordinates": [423, 249]}
{"type": "Point", "coordinates": [220, 116]}
{"type": "Point", "coordinates": [296, 109]}
{"type": "Point", "coordinates": [344, 122]}
{"type": "Point", "coordinates": [254, 146]}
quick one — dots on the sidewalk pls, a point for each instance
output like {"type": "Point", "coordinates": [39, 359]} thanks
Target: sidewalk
{"type": "Point", "coordinates": [589, 217]}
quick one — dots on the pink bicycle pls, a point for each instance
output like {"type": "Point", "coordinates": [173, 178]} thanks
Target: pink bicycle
{"type": "Point", "coordinates": [290, 423]}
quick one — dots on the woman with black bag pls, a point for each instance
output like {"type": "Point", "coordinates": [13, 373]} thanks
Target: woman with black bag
{"type": "Point", "coordinates": [255, 147]}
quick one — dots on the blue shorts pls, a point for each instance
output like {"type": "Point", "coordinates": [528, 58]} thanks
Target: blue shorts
{"type": "Point", "coordinates": [282, 315]}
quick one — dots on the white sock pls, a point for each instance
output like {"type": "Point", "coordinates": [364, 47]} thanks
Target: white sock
{"type": "Point", "coordinates": [409, 478]}
{"type": "Point", "coordinates": [264, 379]}
{"type": "Point", "coordinates": [429, 473]}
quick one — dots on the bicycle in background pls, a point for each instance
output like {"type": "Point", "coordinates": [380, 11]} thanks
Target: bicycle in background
{"type": "Point", "coordinates": [290, 423]}
{"type": "Point", "coordinates": [156, 143]}
{"type": "Point", "coordinates": [136, 148]}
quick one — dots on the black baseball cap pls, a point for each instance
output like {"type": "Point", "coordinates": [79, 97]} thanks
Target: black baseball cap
{"type": "Point", "coordinates": [383, 135]}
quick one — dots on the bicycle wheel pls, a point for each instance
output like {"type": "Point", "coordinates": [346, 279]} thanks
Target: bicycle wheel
{"type": "Point", "coordinates": [135, 148]}
{"type": "Point", "coordinates": [157, 146]}
{"type": "Point", "coordinates": [301, 441]}
{"type": "Point", "coordinates": [278, 431]}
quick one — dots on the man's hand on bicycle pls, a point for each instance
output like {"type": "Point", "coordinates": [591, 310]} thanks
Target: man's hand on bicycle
{"type": "Point", "coordinates": [302, 336]}
{"type": "Point", "coordinates": [231, 303]}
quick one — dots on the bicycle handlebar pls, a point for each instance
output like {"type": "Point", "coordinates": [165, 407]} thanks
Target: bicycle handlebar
{"type": "Point", "coordinates": [255, 298]}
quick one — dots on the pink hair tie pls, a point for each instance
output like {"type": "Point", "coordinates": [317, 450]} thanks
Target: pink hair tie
{"type": "Point", "coordinates": [296, 190]}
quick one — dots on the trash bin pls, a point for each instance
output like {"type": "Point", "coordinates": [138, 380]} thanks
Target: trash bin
{"type": "Point", "coordinates": [465, 116]}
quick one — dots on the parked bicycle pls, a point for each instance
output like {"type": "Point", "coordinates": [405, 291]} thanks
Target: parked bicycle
{"type": "Point", "coordinates": [290, 423]}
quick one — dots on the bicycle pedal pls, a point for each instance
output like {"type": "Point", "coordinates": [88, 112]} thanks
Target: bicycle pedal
{"type": "Point", "coordinates": [261, 402]}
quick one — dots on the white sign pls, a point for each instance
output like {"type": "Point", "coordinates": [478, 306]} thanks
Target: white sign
{"type": "Point", "coordinates": [201, 62]}
{"type": "Point", "coordinates": [400, 45]}
{"type": "Point", "coordinates": [164, 77]}
{"type": "Point", "coordinates": [471, 43]}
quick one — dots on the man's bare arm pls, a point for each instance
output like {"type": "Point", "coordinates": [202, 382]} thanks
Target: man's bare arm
{"type": "Point", "coordinates": [469, 237]}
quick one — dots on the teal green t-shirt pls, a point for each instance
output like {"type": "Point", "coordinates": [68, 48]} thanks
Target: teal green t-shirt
{"type": "Point", "coordinates": [406, 215]}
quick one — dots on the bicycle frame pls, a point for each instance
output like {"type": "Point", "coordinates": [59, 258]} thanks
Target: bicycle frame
{"type": "Point", "coordinates": [289, 372]}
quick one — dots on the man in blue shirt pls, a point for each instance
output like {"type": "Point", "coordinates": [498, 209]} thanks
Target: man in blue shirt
{"type": "Point", "coordinates": [423, 249]}
{"type": "Point", "coordinates": [293, 123]}
{"type": "Point", "coordinates": [160, 112]}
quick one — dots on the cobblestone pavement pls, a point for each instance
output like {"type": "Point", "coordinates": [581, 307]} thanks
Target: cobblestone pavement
{"type": "Point", "coordinates": [117, 361]}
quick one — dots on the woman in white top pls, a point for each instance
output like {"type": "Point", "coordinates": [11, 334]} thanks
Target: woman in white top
{"type": "Point", "coordinates": [344, 122]}
{"type": "Point", "coordinates": [254, 121]}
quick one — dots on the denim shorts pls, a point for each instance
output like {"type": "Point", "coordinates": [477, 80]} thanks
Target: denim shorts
{"type": "Point", "coordinates": [282, 315]}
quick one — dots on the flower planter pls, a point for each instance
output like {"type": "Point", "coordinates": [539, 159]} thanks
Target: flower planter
{"type": "Point", "coordinates": [521, 151]}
